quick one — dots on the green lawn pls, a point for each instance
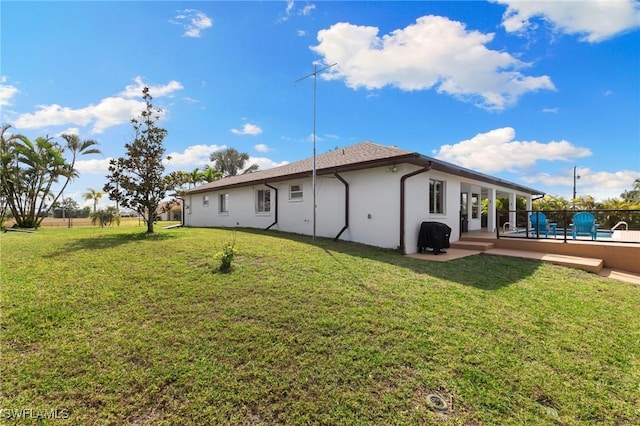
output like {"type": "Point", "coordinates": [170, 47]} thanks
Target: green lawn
{"type": "Point", "coordinates": [108, 326]}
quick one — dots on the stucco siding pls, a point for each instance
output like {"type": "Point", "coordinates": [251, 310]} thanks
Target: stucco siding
{"type": "Point", "coordinates": [241, 209]}
{"type": "Point", "coordinates": [417, 206]}
{"type": "Point", "coordinates": [374, 206]}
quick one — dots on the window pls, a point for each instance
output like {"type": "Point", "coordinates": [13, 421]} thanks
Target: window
{"type": "Point", "coordinates": [295, 192]}
{"type": "Point", "coordinates": [475, 206]}
{"type": "Point", "coordinates": [205, 200]}
{"type": "Point", "coordinates": [436, 196]}
{"type": "Point", "coordinates": [223, 203]}
{"type": "Point", "coordinates": [263, 201]}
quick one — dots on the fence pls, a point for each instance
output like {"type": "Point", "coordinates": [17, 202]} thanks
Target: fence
{"type": "Point", "coordinates": [613, 225]}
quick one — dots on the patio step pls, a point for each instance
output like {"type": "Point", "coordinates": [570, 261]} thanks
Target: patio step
{"type": "Point", "coordinates": [585, 263]}
{"type": "Point", "coordinates": [473, 245]}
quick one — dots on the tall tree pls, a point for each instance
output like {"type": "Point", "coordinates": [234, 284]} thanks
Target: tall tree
{"type": "Point", "coordinates": [105, 217]}
{"type": "Point", "coordinates": [93, 195]}
{"type": "Point", "coordinates": [632, 196]}
{"type": "Point", "coordinates": [29, 170]}
{"type": "Point", "coordinates": [210, 175]}
{"type": "Point", "coordinates": [136, 181]}
{"type": "Point", "coordinates": [229, 162]}
{"type": "Point", "coordinates": [195, 177]}
{"type": "Point", "coordinates": [551, 202]}
{"type": "Point", "coordinates": [585, 202]}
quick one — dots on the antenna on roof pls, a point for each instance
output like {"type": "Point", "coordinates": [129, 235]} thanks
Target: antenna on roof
{"type": "Point", "coordinates": [315, 73]}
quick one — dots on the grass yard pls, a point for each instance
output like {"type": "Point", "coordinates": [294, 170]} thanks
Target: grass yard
{"type": "Point", "coordinates": [107, 326]}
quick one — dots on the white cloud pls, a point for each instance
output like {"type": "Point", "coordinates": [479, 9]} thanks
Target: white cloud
{"type": "Point", "coordinates": [550, 110]}
{"type": "Point", "coordinates": [301, 33]}
{"type": "Point", "coordinates": [193, 156]}
{"type": "Point", "coordinates": [109, 112]}
{"type": "Point", "coordinates": [93, 166]}
{"type": "Point", "coordinates": [291, 10]}
{"type": "Point", "coordinates": [497, 151]}
{"type": "Point", "coordinates": [599, 184]}
{"type": "Point", "coordinates": [156, 91]}
{"type": "Point", "coordinates": [435, 52]}
{"type": "Point", "coordinates": [595, 20]}
{"type": "Point", "coordinates": [265, 163]}
{"type": "Point", "coordinates": [307, 9]}
{"type": "Point", "coordinates": [193, 21]}
{"type": "Point", "coordinates": [261, 147]}
{"type": "Point", "coordinates": [69, 131]}
{"type": "Point", "coordinates": [247, 129]}
{"type": "Point", "coordinates": [7, 92]}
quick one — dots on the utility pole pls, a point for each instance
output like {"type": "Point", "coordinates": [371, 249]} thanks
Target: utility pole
{"type": "Point", "coordinates": [315, 73]}
{"type": "Point", "coordinates": [575, 177]}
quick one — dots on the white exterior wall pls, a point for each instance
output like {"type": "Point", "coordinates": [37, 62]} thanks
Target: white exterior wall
{"type": "Point", "coordinates": [241, 209]}
{"type": "Point", "coordinates": [417, 206]}
{"type": "Point", "coordinates": [374, 206]}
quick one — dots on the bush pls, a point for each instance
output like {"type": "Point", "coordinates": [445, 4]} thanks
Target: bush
{"type": "Point", "coordinates": [226, 256]}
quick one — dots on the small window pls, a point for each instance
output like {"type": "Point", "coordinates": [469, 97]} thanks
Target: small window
{"type": "Point", "coordinates": [295, 192]}
{"type": "Point", "coordinates": [205, 200]}
{"type": "Point", "coordinates": [475, 206]}
{"type": "Point", "coordinates": [436, 196]}
{"type": "Point", "coordinates": [223, 204]}
{"type": "Point", "coordinates": [263, 201]}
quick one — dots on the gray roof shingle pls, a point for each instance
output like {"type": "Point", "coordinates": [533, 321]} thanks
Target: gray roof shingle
{"type": "Point", "coordinates": [354, 157]}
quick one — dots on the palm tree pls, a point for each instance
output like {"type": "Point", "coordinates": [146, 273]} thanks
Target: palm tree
{"type": "Point", "coordinates": [229, 162]}
{"type": "Point", "coordinates": [93, 195]}
{"type": "Point", "coordinates": [633, 196]}
{"type": "Point", "coordinates": [209, 174]}
{"type": "Point", "coordinates": [105, 217]}
{"type": "Point", "coordinates": [194, 177]}
{"type": "Point", "coordinates": [28, 171]}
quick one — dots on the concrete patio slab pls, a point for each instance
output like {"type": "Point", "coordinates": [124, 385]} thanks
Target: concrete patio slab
{"type": "Point", "coordinates": [450, 254]}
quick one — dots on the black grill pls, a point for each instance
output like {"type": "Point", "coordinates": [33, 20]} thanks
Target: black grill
{"type": "Point", "coordinates": [433, 237]}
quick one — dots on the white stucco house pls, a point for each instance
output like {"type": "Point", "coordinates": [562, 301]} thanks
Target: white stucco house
{"type": "Point", "coordinates": [367, 193]}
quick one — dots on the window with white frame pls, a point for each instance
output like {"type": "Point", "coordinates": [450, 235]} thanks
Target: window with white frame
{"type": "Point", "coordinates": [263, 201]}
{"type": "Point", "coordinates": [436, 196]}
{"type": "Point", "coordinates": [223, 203]}
{"type": "Point", "coordinates": [295, 192]}
{"type": "Point", "coordinates": [205, 201]}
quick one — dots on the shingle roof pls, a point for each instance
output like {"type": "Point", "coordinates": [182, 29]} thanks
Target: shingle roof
{"type": "Point", "coordinates": [359, 156]}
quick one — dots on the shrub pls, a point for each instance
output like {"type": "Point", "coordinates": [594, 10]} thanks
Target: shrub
{"type": "Point", "coordinates": [226, 256]}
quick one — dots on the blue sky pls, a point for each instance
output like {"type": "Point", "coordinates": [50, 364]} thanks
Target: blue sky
{"type": "Point", "coordinates": [523, 91]}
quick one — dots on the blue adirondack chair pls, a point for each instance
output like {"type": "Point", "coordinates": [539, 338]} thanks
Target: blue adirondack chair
{"type": "Point", "coordinates": [584, 223]}
{"type": "Point", "coordinates": [540, 224]}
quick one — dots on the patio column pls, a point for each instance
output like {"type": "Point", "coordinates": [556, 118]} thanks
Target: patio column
{"type": "Point", "coordinates": [513, 218]}
{"type": "Point", "coordinates": [491, 210]}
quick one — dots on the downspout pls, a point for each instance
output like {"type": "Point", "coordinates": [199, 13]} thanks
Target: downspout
{"type": "Point", "coordinates": [402, 202]}
{"type": "Point", "coordinates": [276, 198]}
{"type": "Point", "coordinates": [182, 203]}
{"type": "Point", "coordinates": [346, 205]}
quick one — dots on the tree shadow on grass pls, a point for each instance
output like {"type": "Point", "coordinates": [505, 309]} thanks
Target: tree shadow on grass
{"type": "Point", "coordinates": [480, 271]}
{"type": "Point", "coordinates": [108, 241]}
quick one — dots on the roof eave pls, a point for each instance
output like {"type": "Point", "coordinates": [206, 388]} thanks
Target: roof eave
{"type": "Point", "coordinates": [453, 169]}
{"type": "Point", "coordinates": [407, 158]}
